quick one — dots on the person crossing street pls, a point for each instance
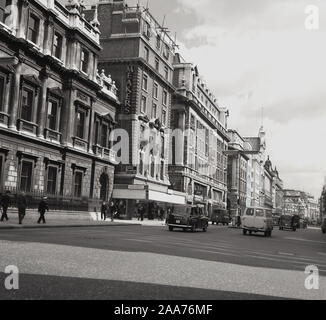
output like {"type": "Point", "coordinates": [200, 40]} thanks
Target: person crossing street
{"type": "Point", "coordinates": [42, 207]}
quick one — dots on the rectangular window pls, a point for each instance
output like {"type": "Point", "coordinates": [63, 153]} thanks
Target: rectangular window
{"type": "Point", "coordinates": [157, 64]}
{"type": "Point", "coordinates": [78, 183]}
{"type": "Point", "coordinates": [162, 170]}
{"type": "Point", "coordinates": [84, 60]}
{"type": "Point", "coordinates": [33, 28]}
{"type": "Point", "coordinates": [147, 30]}
{"type": "Point", "coordinates": [57, 45]}
{"type": "Point", "coordinates": [80, 124]}
{"type": "Point", "coordinates": [2, 90]}
{"type": "Point", "coordinates": [26, 176]}
{"type": "Point", "coordinates": [27, 105]}
{"type": "Point", "coordinates": [166, 52]}
{"type": "Point", "coordinates": [154, 111]}
{"type": "Point", "coordinates": [158, 41]}
{"type": "Point", "coordinates": [52, 115]}
{"type": "Point", "coordinates": [104, 136]}
{"type": "Point", "coordinates": [165, 98]}
{"type": "Point", "coordinates": [164, 117]}
{"type": "Point", "coordinates": [155, 91]}
{"type": "Point", "coordinates": [143, 104]}
{"type": "Point", "coordinates": [166, 73]}
{"type": "Point", "coordinates": [145, 82]}
{"type": "Point", "coordinates": [162, 147]}
{"type": "Point", "coordinates": [146, 54]}
{"type": "Point", "coordinates": [52, 180]}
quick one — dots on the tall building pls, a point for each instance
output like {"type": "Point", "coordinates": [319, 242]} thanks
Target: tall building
{"type": "Point", "coordinates": [56, 111]}
{"type": "Point", "coordinates": [139, 53]}
{"type": "Point", "coordinates": [199, 139]}
{"type": "Point", "coordinates": [238, 160]}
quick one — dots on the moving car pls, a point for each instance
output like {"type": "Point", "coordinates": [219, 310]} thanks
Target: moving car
{"type": "Point", "coordinates": [188, 218]}
{"type": "Point", "coordinates": [323, 225]}
{"type": "Point", "coordinates": [257, 220]}
{"type": "Point", "coordinates": [289, 222]}
{"type": "Point", "coordinates": [220, 216]}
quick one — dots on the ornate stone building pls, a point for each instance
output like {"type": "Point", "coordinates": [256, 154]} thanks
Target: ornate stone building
{"type": "Point", "coordinates": [56, 111]}
{"type": "Point", "coordinates": [139, 54]}
{"type": "Point", "coordinates": [197, 163]}
{"type": "Point", "coordinates": [237, 174]}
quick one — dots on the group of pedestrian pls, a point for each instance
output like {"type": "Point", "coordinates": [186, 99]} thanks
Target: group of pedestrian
{"type": "Point", "coordinates": [108, 209]}
{"type": "Point", "coordinates": [5, 203]}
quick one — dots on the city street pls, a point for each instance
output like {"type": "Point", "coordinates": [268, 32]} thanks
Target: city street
{"type": "Point", "coordinates": [142, 262]}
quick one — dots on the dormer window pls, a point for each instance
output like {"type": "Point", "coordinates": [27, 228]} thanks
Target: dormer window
{"type": "Point", "coordinates": [84, 60]}
{"type": "Point", "coordinates": [33, 28]}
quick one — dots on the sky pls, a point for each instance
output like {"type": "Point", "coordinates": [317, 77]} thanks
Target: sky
{"type": "Point", "coordinates": [266, 67]}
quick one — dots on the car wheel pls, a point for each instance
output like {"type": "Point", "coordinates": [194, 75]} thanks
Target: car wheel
{"type": "Point", "coordinates": [170, 228]}
{"type": "Point", "coordinates": [244, 231]}
{"type": "Point", "coordinates": [324, 231]}
{"type": "Point", "coordinates": [294, 229]}
{"type": "Point", "coordinates": [266, 233]}
{"type": "Point", "coordinates": [250, 233]}
{"type": "Point", "coordinates": [205, 229]}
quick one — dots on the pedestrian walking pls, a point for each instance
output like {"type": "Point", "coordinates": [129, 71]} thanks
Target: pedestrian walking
{"type": "Point", "coordinates": [42, 207]}
{"type": "Point", "coordinates": [112, 210]}
{"type": "Point", "coordinates": [104, 209]}
{"type": "Point", "coordinates": [162, 213]}
{"type": "Point", "coordinates": [5, 203]}
{"type": "Point", "coordinates": [21, 205]}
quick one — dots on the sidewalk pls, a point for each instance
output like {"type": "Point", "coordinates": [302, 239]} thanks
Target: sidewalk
{"type": "Point", "coordinates": [60, 220]}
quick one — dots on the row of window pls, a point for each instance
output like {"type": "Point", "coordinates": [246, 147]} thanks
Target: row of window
{"type": "Point", "coordinates": [33, 34]}
{"type": "Point", "coordinates": [26, 176]}
{"type": "Point", "coordinates": [157, 65]}
{"type": "Point", "coordinates": [154, 110]}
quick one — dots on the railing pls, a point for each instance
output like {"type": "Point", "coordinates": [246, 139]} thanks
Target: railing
{"type": "Point", "coordinates": [55, 201]}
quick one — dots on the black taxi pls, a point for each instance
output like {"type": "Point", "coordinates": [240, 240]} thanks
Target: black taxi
{"type": "Point", "coordinates": [188, 217]}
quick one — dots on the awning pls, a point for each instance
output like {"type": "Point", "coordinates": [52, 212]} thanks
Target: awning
{"type": "Point", "coordinates": [149, 195]}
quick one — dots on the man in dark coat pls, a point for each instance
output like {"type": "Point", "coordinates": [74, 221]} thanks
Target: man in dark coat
{"type": "Point", "coordinates": [21, 205]}
{"type": "Point", "coordinates": [5, 203]}
{"type": "Point", "coordinates": [42, 207]}
{"type": "Point", "coordinates": [104, 209]}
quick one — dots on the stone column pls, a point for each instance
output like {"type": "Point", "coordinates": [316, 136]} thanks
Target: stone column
{"type": "Point", "coordinates": [15, 97]}
{"type": "Point", "coordinates": [42, 109]}
{"type": "Point", "coordinates": [7, 94]}
{"type": "Point", "coordinates": [48, 36]}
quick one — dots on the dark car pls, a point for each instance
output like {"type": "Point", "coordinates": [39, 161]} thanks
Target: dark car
{"type": "Point", "coordinates": [289, 222]}
{"type": "Point", "coordinates": [188, 218]}
{"type": "Point", "coordinates": [323, 225]}
{"type": "Point", "coordinates": [220, 216]}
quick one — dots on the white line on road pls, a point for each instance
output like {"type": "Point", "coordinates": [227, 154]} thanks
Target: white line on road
{"type": "Point", "coordinates": [286, 254]}
{"type": "Point", "coordinates": [306, 240]}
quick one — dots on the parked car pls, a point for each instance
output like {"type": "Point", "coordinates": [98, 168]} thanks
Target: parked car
{"type": "Point", "coordinates": [188, 218]}
{"type": "Point", "coordinates": [257, 220]}
{"type": "Point", "coordinates": [220, 216]}
{"type": "Point", "coordinates": [289, 222]}
{"type": "Point", "coordinates": [323, 225]}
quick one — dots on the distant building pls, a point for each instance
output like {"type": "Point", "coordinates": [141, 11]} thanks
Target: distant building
{"type": "Point", "coordinates": [313, 213]}
{"type": "Point", "coordinates": [237, 174]}
{"type": "Point", "coordinates": [199, 139]}
{"type": "Point", "coordinates": [56, 111]}
{"type": "Point", "coordinates": [256, 165]}
{"type": "Point", "coordinates": [295, 202]}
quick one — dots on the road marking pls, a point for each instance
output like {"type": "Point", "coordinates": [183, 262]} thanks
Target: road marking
{"type": "Point", "coordinates": [306, 240]}
{"type": "Point", "coordinates": [137, 240]}
{"type": "Point", "coordinates": [321, 253]}
{"type": "Point", "coordinates": [285, 254]}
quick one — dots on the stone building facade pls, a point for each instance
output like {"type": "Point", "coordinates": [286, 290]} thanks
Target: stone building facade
{"type": "Point", "coordinates": [139, 54]}
{"type": "Point", "coordinates": [198, 165]}
{"type": "Point", "coordinates": [56, 111]}
{"type": "Point", "coordinates": [237, 174]}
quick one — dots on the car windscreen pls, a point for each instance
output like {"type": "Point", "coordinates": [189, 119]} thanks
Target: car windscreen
{"type": "Point", "coordinates": [250, 212]}
{"type": "Point", "coordinates": [260, 213]}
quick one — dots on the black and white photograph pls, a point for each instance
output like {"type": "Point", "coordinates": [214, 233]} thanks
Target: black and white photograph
{"type": "Point", "coordinates": [163, 155]}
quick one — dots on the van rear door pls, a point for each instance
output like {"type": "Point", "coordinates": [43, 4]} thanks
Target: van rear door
{"type": "Point", "coordinates": [248, 219]}
{"type": "Point", "coordinates": [260, 219]}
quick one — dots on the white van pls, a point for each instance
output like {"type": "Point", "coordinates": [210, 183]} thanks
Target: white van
{"type": "Point", "coordinates": [257, 220]}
